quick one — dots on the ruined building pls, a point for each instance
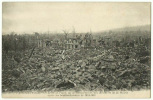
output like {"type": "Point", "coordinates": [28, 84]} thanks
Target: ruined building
{"type": "Point", "coordinates": [72, 43]}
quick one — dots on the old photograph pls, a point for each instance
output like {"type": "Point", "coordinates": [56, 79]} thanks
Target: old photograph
{"type": "Point", "coordinates": [76, 49]}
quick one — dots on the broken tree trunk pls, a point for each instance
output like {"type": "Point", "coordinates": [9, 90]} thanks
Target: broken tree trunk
{"type": "Point", "coordinates": [32, 52]}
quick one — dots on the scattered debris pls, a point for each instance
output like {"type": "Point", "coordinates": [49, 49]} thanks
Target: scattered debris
{"type": "Point", "coordinates": [86, 68]}
{"type": "Point", "coordinates": [66, 85]}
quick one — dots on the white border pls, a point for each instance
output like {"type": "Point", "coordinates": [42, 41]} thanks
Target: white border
{"type": "Point", "coordinates": [72, 1]}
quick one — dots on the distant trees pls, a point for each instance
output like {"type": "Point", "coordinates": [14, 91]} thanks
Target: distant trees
{"type": "Point", "coordinates": [14, 42]}
{"type": "Point", "coordinates": [6, 46]}
{"type": "Point", "coordinates": [88, 39]}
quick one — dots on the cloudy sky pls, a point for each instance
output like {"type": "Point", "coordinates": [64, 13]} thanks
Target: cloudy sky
{"type": "Point", "coordinates": [55, 17]}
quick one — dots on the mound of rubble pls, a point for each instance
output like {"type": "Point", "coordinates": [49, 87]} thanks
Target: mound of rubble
{"type": "Point", "coordinates": [83, 69]}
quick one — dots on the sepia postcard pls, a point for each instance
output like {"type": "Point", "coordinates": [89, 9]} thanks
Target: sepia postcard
{"type": "Point", "coordinates": [76, 50]}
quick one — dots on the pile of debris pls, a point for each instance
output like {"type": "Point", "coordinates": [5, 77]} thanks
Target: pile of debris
{"type": "Point", "coordinates": [84, 69]}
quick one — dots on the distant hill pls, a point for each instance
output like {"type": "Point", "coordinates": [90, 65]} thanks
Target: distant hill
{"type": "Point", "coordinates": [134, 28]}
{"type": "Point", "coordinates": [121, 32]}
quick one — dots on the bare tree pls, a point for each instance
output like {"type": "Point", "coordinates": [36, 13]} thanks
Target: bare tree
{"type": "Point", "coordinates": [66, 33]}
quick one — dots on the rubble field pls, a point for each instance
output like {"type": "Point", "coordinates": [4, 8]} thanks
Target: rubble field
{"type": "Point", "coordinates": [94, 69]}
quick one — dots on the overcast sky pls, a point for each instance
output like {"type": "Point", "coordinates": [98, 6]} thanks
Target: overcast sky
{"type": "Point", "coordinates": [55, 17]}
